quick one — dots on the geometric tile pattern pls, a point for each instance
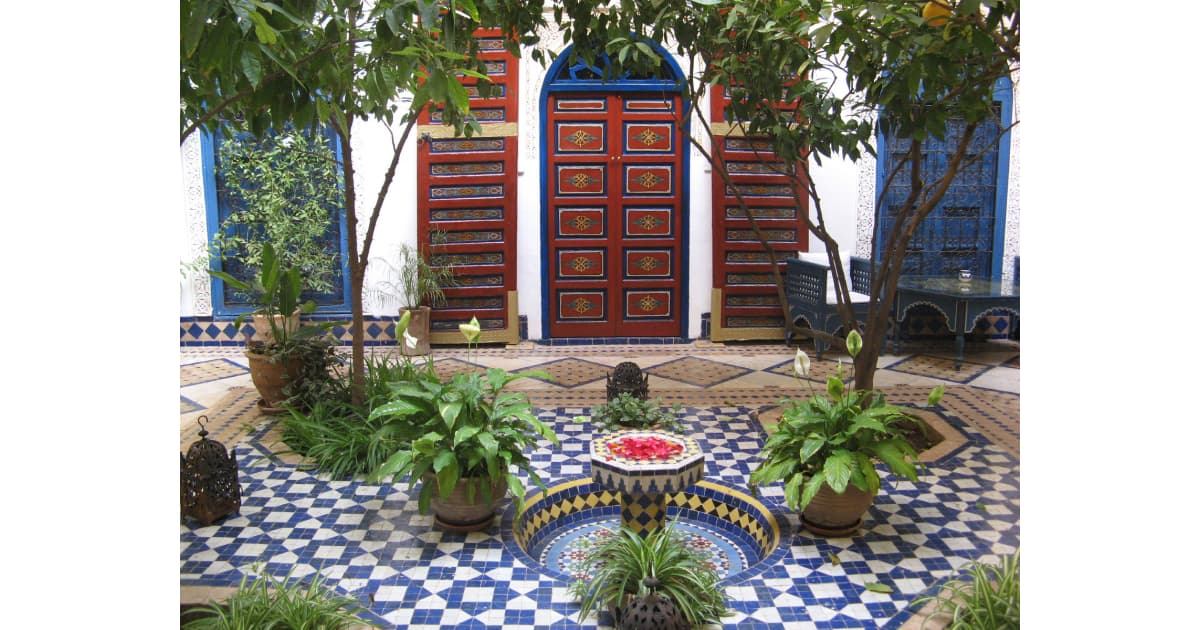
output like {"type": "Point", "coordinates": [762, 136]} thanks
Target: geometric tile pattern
{"type": "Point", "coordinates": [205, 371]}
{"type": "Point", "coordinates": [371, 544]}
{"type": "Point", "coordinates": [447, 368]}
{"type": "Point", "coordinates": [939, 367]}
{"type": "Point", "coordinates": [228, 420]}
{"type": "Point", "coordinates": [700, 372]}
{"type": "Point", "coordinates": [572, 372]}
{"type": "Point", "coordinates": [818, 371]}
{"type": "Point", "coordinates": [188, 406]}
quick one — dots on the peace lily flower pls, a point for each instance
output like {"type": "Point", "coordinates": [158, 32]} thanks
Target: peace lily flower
{"type": "Point", "coordinates": [402, 325]}
{"type": "Point", "coordinates": [410, 340]}
{"type": "Point", "coordinates": [800, 365]}
{"type": "Point", "coordinates": [853, 343]}
{"type": "Point", "coordinates": [470, 330]}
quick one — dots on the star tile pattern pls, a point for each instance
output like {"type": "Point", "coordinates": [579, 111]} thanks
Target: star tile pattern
{"type": "Point", "coordinates": [372, 544]}
{"type": "Point", "coordinates": [939, 367]}
{"type": "Point", "coordinates": [695, 371]}
{"type": "Point", "coordinates": [206, 371]}
{"type": "Point", "coordinates": [572, 372]}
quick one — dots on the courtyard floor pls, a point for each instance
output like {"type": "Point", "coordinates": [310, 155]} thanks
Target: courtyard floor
{"type": "Point", "coordinates": [370, 542]}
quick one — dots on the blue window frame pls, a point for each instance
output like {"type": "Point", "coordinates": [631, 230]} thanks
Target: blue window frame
{"type": "Point", "coordinates": [219, 206]}
{"type": "Point", "coordinates": [966, 229]}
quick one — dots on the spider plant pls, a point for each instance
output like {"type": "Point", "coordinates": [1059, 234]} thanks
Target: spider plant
{"type": "Point", "coordinates": [270, 602]}
{"type": "Point", "coordinates": [620, 563]}
{"type": "Point", "coordinates": [988, 597]}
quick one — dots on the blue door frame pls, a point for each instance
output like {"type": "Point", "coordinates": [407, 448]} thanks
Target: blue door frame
{"type": "Point", "coordinates": [561, 78]}
{"type": "Point", "coordinates": [956, 235]}
{"type": "Point", "coordinates": [332, 303]}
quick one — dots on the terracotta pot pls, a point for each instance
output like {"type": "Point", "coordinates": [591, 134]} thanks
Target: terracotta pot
{"type": "Point", "coordinates": [262, 326]}
{"type": "Point", "coordinates": [833, 514]}
{"type": "Point", "coordinates": [418, 327]}
{"type": "Point", "coordinates": [270, 378]}
{"type": "Point", "coordinates": [455, 513]}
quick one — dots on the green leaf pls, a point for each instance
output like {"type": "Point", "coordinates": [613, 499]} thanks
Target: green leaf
{"type": "Point", "coordinates": [424, 498]}
{"type": "Point", "coordinates": [400, 408]}
{"type": "Point", "coordinates": [791, 490]}
{"type": "Point", "coordinates": [447, 477]}
{"type": "Point", "coordinates": [833, 559]}
{"type": "Point", "coordinates": [489, 443]}
{"type": "Point", "coordinates": [837, 470]}
{"type": "Point", "coordinates": [935, 396]}
{"type": "Point", "coordinates": [811, 446]}
{"type": "Point", "coordinates": [811, 488]}
{"type": "Point", "coordinates": [464, 433]}
{"type": "Point", "coordinates": [895, 454]}
{"type": "Point", "coordinates": [458, 95]}
{"type": "Point", "coordinates": [875, 587]}
{"type": "Point", "coordinates": [449, 412]}
{"type": "Point", "coordinates": [397, 464]}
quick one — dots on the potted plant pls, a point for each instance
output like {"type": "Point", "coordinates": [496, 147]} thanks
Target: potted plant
{"type": "Point", "coordinates": [275, 358]}
{"type": "Point", "coordinates": [825, 449]}
{"type": "Point", "coordinates": [653, 582]}
{"type": "Point", "coordinates": [628, 411]}
{"type": "Point", "coordinates": [422, 284]}
{"type": "Point", "coordinates": [461, 437]}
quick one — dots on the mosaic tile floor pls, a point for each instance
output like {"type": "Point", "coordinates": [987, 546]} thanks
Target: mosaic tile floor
{"type": "Point", "coordinates": [372, 544]}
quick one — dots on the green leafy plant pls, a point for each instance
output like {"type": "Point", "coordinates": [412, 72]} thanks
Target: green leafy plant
{"type": "Point", "coordinates": [620, 564]}
{"type": "Point", "coordinates": [270, 602]}
{"type": "Point", "coordinates": [338, 437]}
{"type": "Point", "coordinates": [275, 293]}
{"type": "Point", "coordinates": [420, 281]}
{"type": "Point", "coordinates": [988, 598]}
{"type": "Point", "coordinates": [465, 428]}
{"type": "Point", "coordinates": [286, 190]}
{"type": "Point", "coordinates": [835, 439]}
{"type": "Point", "coordinates": [629, 411]}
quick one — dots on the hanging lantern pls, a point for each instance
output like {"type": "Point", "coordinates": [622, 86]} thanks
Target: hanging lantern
{"type": "Point", "coordinates": [627, 378]}
{"type": "Point", "coordinates": [208, 480]}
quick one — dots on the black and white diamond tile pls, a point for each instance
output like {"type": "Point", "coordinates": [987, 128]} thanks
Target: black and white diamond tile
{"type": "Point", "coordinates": [372, 544]}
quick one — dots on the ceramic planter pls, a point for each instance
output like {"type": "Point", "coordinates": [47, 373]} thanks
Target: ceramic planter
{"type": "Point", "coordinates": [833, 514]}
{"type": "Point", "coordinates": [262, 326]}
{"type": "Point", "coordinates": [456, 513]}
{"type": "Point", "coordinates": [270, 378]}
{"type": "Point", "coordinates": [418, 327]}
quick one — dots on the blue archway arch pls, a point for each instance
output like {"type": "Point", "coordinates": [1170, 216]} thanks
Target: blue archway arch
{"type": "Point", "coordinates": [563, 77]}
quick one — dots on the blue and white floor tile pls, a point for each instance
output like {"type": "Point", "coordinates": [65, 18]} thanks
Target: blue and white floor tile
{"type": "Point", "coordinates": [371, 543]}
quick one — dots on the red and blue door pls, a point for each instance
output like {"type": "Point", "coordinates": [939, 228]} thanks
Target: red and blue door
{"type": "Point", "coordinates": [615, 206]}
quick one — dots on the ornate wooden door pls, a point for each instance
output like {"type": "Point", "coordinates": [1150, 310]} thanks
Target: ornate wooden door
{"type": "Point", "coordinates": [615, 195]}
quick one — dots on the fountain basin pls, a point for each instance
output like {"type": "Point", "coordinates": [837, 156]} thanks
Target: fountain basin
{"type": "Point", "coordinates": [739, 535]}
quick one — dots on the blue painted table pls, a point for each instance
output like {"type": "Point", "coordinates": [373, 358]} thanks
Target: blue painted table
{"type": "Point", "coordinates": [961, 302]}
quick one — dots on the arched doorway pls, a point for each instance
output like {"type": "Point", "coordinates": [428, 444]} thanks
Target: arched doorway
{"type": "Point", "coordinates": [614, 203]}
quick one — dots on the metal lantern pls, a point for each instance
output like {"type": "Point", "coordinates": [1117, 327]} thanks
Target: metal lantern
{"type": "Point", "coordinates": [208, 480]}
{"type": "Point", "coordinates": [627, 378]}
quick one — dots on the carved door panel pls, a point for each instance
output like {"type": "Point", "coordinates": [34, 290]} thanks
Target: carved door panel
{"type": "Point", "coordinates": [614, 192]}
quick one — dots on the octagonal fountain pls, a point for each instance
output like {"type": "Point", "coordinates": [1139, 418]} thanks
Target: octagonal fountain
{"type": "Point", "coordinates": [737, 534]}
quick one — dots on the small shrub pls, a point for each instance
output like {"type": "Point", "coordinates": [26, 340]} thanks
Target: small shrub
{"type": "Point", "coordinates": [629, 411]}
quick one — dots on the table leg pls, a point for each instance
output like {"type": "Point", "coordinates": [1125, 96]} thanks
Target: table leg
{"type": "Point", "coordinates": [959, 345]}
